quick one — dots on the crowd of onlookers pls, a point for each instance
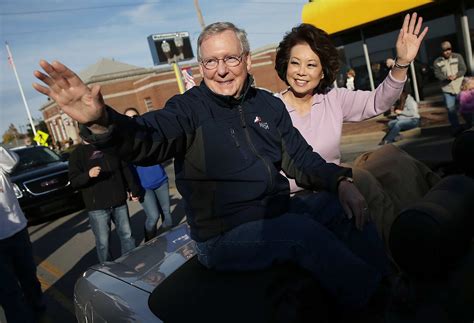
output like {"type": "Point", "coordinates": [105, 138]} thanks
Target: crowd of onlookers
{"type": "Point", "coordinates": [457, 89]}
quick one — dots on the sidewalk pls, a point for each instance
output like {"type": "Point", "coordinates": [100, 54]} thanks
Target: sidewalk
{"type": "Point", "coordinates": [432, 113]}
{"type": "Point", "coordinates": [431, 142]}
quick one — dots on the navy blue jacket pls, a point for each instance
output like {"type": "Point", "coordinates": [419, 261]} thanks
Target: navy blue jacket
{"type": "Point", "coordinates": [228, 155]}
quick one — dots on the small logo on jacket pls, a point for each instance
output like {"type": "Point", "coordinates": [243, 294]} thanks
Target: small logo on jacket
{"type": "Point", "coordinates": [97, 154]}
{"type": "Point", "coordinates": [263, 125]}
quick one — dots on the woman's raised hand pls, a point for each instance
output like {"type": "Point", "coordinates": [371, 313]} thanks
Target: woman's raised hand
{"type": "Point", "coordinates": [409, 39]}
{"type": "Point", "coordinates": [83, 104]}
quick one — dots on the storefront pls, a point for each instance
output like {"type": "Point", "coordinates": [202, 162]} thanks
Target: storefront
{"type": "Point", "coordinates": [365, 32]}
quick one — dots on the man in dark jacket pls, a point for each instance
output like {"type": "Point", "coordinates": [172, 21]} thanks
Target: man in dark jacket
{"type": "Point", "coordinates": [105, 182]}
{"type": "Point", "coordinates": [230, 141]}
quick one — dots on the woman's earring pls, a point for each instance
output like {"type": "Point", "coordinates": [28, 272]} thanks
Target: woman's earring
{"type": "Point", "coordinates": [322, 76]}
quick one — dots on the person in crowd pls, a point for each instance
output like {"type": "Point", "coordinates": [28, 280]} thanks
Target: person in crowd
{"type": "Point", "coordinates": [407, 118]}
{"type": "Point", "coordinates": [350, 85]}
{"type": "Point", "coordinates": [307, 61]}
{"type": "Point", "coordinates": [450, 68]}
{"type": "Point", "coordinates": [105, 182]}
{"type": "Point", "coordinates": [58, 147]}
{"type": "Point", "coordinates": [20, 291]}
{"type": "Point", "coordinates": [229, 142]}
{"type": "Point", "coordinates": [421, 70]}
{"type": "Point", "coordinates": [156, 199]}
{"type": "Point", "coordinates": [377, 73]}
{"type": "Point", "coordinates": [466, 101]}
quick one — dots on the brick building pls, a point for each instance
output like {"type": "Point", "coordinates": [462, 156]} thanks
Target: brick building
{"type": "Point", "coordinates": [124, 86]}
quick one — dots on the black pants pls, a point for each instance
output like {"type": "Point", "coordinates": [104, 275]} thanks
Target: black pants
{"type": "Point", "coordinates": [20, 290]}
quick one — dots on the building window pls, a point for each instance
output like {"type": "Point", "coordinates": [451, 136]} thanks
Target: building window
{"type": "Point", "coordinates": [148, 103]}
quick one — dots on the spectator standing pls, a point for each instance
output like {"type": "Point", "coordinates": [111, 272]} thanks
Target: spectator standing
{"type": "Point", "coordinates": [156, 198]}
{"type": "Point", "coordinates": [407, 118]}
{"type": "Point", "coordinates": [104, 181]}
{"type": "Point", "coordinates": [350, 81]}
{"type": "Point", "coordinates": [20, 291]}
{"type": "Point", "coordinates": [466, 101]}
{"type": "Point", "coordinates": [377, 73]}
{"type": "Point", "coordinates": [450, 68]}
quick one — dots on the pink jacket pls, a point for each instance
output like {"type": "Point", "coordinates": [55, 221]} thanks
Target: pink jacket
{"type": "Point", "coordinates": [322, 127]}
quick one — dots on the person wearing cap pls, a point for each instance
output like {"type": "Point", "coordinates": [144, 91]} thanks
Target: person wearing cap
{"type": "Point", "coordinates": [450, 68]}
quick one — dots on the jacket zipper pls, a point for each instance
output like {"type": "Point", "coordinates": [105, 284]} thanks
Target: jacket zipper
{"type": "Point", "coordinates": [247, 134]}
{"type": "Point", "coordinates": [236, 141]}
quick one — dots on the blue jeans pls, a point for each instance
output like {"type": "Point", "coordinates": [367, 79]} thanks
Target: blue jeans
{"type": "Point", "coordinates": [316, 235]}
{"type": "Point", "coordinates": [155, 202]}
{"type": "Point", "coordinates": [20, 290]}
{"type": "Point", "coordinates": [100, 221]}
{"type": "Point", "coordinates": [397, 125]}
{"type": "Point", "coordinates": [451, 104]}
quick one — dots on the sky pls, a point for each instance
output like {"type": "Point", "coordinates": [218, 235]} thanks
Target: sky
{"type": "Point", "coordinates": [79, 33]}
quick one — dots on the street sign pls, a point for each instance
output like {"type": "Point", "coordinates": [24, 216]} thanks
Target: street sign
{"type": "Point", "coordinates": [41, 138]}
{"type": "Point", "coordinates": [170, 48]}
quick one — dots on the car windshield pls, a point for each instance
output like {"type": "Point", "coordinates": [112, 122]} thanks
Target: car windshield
{"type": "Point", "coordinates": [34, 157]}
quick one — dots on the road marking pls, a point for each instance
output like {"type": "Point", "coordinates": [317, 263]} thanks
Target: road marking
{"type": "Point", "coordinates": [56, 295]}
{"type": "Point", "coordinates": [59, 297]}
{"type": "Point", "coordinates": [49, 267]}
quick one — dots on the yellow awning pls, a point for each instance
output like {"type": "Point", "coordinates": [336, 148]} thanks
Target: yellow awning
{"type": "Point", "coordinates": [338, 15]}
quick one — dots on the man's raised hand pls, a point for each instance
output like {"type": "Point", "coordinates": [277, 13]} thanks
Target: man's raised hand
{"type": "Point", "coordinates": [83, 104]}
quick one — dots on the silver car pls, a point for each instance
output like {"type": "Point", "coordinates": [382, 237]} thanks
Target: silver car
{"type": "Point", "coordinates": [119, 291]}
{"type": "Point", "coordinates": [162, 281]}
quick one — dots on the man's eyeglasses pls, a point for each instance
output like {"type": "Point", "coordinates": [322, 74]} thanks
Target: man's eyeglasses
{"type": "Point", "coordinates": [447, 49]}
{"type": "Point", "coordinates": [230, 61]}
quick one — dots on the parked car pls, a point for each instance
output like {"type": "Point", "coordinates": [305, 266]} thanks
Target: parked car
{"type": "Point", "coordinates": [41, 183]}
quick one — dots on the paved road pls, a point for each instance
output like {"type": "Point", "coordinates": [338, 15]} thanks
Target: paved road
{"type": "Point", "coordinates": [430, 145]}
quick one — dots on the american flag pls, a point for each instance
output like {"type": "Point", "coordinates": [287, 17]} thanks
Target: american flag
{"type": "Point", "coordinates": [188, 77]}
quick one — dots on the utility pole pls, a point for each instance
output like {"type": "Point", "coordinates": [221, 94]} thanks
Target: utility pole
{"type": "Point", "coordinates": [12, 63]}
{"type": "Point", "coordinates": [199, 14]}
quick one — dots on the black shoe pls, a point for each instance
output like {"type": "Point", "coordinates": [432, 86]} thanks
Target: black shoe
{"type": "Point", "coordinates": [149, 234]}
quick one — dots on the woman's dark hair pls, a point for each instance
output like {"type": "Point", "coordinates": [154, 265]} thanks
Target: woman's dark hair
{"type": "Point", "coordinates": [319, 42]}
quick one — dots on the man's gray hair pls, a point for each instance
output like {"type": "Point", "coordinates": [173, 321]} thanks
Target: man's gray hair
{"type": "Point", "coordinates": [219, 27]}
